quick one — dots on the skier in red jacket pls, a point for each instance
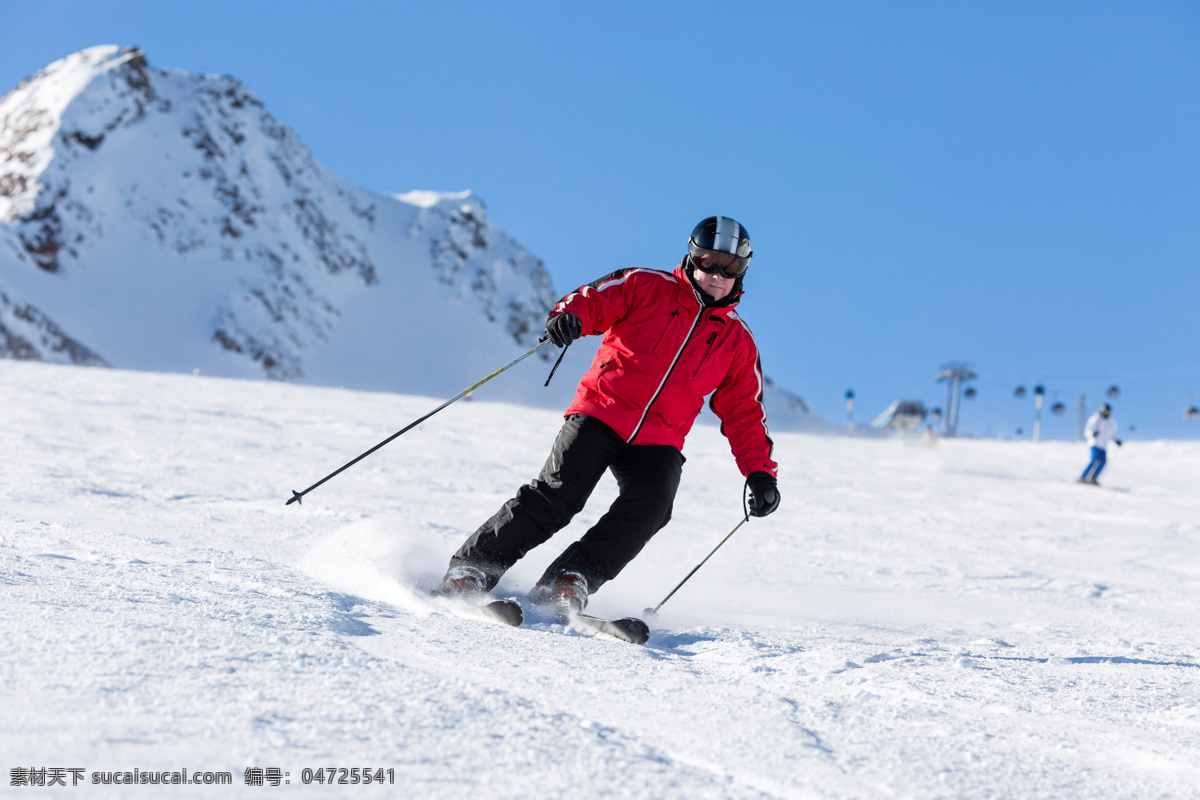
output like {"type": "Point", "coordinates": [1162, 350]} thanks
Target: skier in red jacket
{"type": "Point", "coordinates": [670, 340]}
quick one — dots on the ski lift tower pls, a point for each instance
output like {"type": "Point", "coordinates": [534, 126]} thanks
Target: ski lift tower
{"type": "Point", "coordinates": [954, 374]}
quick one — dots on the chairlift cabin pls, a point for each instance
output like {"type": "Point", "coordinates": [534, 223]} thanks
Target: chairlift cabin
{"type": "Point", "coordinates": [1114, 391]}
{"type": "Point", "coordinates": [1019, 392]}
{"type": "Point", "coordinates": [970, 393]}
{"type": "Point", "coordinates": [1057, 408]}
{"type": "Point", "coordinates": [1191, 412]}
{"type": "Point", "coordinates": [902, 415]}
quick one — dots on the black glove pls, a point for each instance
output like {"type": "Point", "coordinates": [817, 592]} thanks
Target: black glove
{"type": "Point", "coordinates": [764, 493]}
{"type": "Point", "coordinates": [1118, 441]}
{"type": "Point", "coordinates": [564, 329]}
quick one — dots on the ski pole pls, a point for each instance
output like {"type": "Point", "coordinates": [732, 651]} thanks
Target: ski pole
{"type": "Point", "coordinates": [652, 611]}
{"type": "Point", "coordinates": [296, 496]}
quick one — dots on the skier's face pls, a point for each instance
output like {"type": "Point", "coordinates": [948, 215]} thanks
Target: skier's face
{"type": "Point", "coordinates": [713, 284]}
{"type": "Point", "coordinates": [706, 261]}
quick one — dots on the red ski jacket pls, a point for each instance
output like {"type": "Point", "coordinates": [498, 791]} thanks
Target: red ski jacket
{"type": "Point", "coordinates": [663, 352]}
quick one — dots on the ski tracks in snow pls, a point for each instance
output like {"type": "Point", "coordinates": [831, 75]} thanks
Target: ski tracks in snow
{"type": "Point", "coordinates": [912, 623]}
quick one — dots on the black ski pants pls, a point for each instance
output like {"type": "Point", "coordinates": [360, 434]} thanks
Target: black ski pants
{"type": "Point", "coordinates": [647, 476]}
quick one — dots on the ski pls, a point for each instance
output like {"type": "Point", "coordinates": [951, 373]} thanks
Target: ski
{"type": "Point", "coordinates": [506, 611]}
{"type": "Point", "coordinates": [627, 629]}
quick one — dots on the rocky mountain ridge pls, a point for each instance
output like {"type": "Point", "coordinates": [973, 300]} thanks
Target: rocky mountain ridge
{"type": "Point", "coordinates": [157, 219]}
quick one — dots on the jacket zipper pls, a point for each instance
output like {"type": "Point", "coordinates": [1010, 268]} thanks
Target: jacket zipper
{"type": "Point", "coordinates": [670, 369]}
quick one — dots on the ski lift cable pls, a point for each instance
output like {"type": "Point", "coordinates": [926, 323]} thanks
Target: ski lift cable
{"type": "Point", "coordinates": [1111, 377]}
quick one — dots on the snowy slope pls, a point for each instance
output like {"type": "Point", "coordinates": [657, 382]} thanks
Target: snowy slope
{"type": "Point", "coordinates": [159, 220]}
{"type": "Point", "coordinates": [960, 621]}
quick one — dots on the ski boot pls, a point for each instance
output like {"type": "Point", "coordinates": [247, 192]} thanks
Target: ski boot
{"type": "Point", "coordinates": [566, 594]}
{"type": "Point", "coordinates": [463, 581]}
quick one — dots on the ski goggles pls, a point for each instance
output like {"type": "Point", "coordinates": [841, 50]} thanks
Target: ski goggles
{"type": "Point", "coordinates": [712, 262]}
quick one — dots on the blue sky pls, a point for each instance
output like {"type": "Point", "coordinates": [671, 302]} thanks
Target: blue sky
{"type": "Point", "coordinates": [1015, 185]}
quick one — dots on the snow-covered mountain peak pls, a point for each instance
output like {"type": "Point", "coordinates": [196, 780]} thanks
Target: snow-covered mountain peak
{"type": "Point", "coordinates": [426, 199]}
{"type": "Point", "coordinates": [31, 115]}
{"type": "Point", "coordinates": [162, 220]}
{"type": "Point", "coordinates": [178, 201]}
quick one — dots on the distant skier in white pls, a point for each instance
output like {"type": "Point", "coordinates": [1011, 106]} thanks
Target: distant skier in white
{"type": "Point", "coordinates": [1101, 428]}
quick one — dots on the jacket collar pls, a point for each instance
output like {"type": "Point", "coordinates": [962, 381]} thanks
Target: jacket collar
{"type": "Point", "coordinates": [729, 301]}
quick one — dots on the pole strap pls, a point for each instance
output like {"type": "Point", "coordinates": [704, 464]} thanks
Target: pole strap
{"type": "Point", "coordinates": [556, 363]}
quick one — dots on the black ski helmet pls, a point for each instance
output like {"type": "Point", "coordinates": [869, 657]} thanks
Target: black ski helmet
{"type": "Point", "coordinates": [722, 235]}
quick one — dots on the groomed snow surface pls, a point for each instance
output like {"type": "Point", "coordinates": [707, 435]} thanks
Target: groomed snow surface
{"type": "Point", "coordinates": [958, 621]}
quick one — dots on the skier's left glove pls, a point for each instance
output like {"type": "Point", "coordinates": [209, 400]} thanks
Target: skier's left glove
{"type": "Point", "coordinates": [764, 493]}
{"type": "Point", "coordinates": [564, 328]}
